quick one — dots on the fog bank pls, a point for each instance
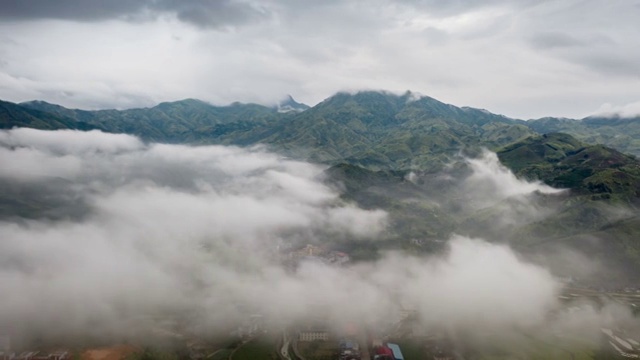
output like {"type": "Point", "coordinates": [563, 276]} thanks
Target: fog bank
{"type": "Point", "coordinates": [200, 234]}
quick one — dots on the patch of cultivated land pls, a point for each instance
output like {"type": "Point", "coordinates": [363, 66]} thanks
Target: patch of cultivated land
{"type": "Point", "coordinates": [318, 350]}
{"type": "Point", "coordinates": [118, 352]}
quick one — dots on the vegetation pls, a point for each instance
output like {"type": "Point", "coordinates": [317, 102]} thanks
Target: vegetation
{"type": "Point", "coordinates": [619, 133]}
{"type": "Point", "coordinates": [158, 354]}
{"type": "Point", "coordinates": [256, 349]}
{"type": "Point", "coordinates": [564, 162]}
{"type": "Point", "coordinates": [371, 129]}
{"type": "Point", "coordinates": [13, 115]}
{"type": "Point", "coordinates": [318, 350]}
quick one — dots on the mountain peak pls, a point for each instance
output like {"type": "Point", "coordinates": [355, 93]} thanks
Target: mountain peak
{"type": "Point", "coordinates": [288, 104]}
{"type": "Point", "coordinates": [183, 102]}
{"type": "Point", "coordinates": [35, 102]}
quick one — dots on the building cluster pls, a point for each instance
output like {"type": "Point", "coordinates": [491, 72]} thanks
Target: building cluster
{"type": "Point", "coordinates": [36, 355]}
{"type": "Point", "coordinates": [314, 330]}
{"type": "Point", "coordinates": [313, 335]}
{"type": "Point", "coordinates": [349, 350]}
{"type": "Point", "coordinates": [6, 353]}
{"type": "Point", "coordinates": [625, 347]}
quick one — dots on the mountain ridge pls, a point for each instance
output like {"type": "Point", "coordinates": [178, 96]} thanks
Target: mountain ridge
{"type": "Point", "coordinates": [370, 128]}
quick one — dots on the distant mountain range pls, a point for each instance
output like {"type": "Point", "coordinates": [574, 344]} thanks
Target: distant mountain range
{"type": "Point", "coordinates": [372, 141]}
{"type": "Point", "coordinates": [373, 129]}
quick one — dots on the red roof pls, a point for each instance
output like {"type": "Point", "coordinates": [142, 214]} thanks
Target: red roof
{"type": "Point", "coordinates": [383, 350]}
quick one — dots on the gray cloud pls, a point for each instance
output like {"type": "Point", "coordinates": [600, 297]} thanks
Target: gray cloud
{"type": "Point", "coordinates": [67, 9]}
{"type": "Point", "coordinates": [203, 13]}
{"type": "Point", "coordinates": [613, 64]}
{"type": "Point", "coordinates": [213, 13]}
{"type": "Point", "coordinates": [126, 55]}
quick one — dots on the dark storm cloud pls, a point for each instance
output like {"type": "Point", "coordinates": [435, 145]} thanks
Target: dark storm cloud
{"type": "Point", "coordinates": [205, 13]}
{"type": "Point", "coordinates": [202, 13]}
{"type": "Point", "coordinates": [211, 13]}
{"type": "Point", "coordinates": [66, 9]}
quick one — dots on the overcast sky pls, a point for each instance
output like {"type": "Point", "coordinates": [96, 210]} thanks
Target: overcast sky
{"type": "Point", "coordinates": [523, 58]}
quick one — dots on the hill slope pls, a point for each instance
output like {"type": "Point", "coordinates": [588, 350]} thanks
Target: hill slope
{"type": "Point", "coordinates": [564, 162]}
{"type": "Point", "coordinates": [188, 121]}
{"type": "Point", "coordinates": [597, 217]}
{"type": "Point", "coordinates": [13, 115]}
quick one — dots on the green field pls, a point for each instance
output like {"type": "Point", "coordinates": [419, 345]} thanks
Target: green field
{"type": "Point", "coordinates": [318, 350]}
{"type": "Point", "coordinates": [257, 349]}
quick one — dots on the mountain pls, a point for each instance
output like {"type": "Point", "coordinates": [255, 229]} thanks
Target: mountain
{"type": "Point", "coordinates": [13, 115]}
{"type": "Point", "coordinates": [370, 128]}
{"type": "Point", "coordinates": [389, 151]}
{"type": "Point", "coordinates": [617, 132]}
{"type": "Point", "coordinates": [373, 129]}
{"type": "Point", "coordinates": [189, 120]}
{"type": "Point", "coordinates": [380, 130]}
{"type": "Point", "coordinates": [597, 216]}
{"type": "Point", "coordinates": [289, 104]}
{"type": "Point", "coordinates": [562, 161]}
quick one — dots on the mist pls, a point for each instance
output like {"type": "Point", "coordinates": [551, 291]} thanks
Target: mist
{"type": "Point", "coordinates": [199, 234]}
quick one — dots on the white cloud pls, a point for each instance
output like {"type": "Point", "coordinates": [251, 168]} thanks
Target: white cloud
{"type": "Point", "coordinates": [492, 179]}
{"type": "Point", "coordinates": [627, 110]}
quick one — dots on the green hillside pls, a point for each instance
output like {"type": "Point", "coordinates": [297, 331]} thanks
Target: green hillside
{"type": "Point", "coordinates": [185, 121]}
{"type": "Point", "coordinates": [372, 129]}
{"type": "Point", "coordinates": [622, 134]}
{"type": "Point", "coordinates": [379, 130]}
{"type": "Point", "coordinates": [13, 115]}
{"type": "Point", "coordinates": [597, 214]}
{"type": "Point", "coordinates": [564, 162]}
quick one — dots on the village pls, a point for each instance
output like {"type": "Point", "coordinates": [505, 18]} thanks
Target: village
{"type": "Point", "coordinates": [316, 339]}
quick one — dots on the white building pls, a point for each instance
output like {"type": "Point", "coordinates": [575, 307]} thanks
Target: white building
{"type": "Point", "coordinates": [312, 335]}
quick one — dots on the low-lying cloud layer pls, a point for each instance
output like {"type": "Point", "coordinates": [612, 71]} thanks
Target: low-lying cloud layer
{"type": "Point", "coordinates": [199, 233]}
{"type": "Point", "coordinates": [492, 180]}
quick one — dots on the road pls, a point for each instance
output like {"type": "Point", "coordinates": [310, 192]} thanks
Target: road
{"type": "Point", "coordinates": [284, 350]}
